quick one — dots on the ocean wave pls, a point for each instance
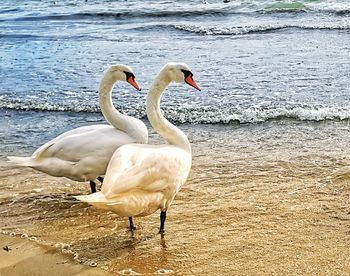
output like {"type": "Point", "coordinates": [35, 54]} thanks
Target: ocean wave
{"type": "Point", "coordinates": [335, 8]}
{"type": "Point", "coordinates": [127, 14]}
{"type": "Point", "coordinates": [32, 106]}
{"type": "Point", "coordinates": [284, 7]}
{"type": "Point", "coordinates": [255, 115]}
{"type": "Point", "coordinates": [19, 36]}
{"type": "Point", "coordinates": [190, 28]}
{"type": "Point", "coordinates": [204, 115]}
{"type": "Point", "coordinates": [136, 111]}
{"type": "Point", "coordinates": [240, 30]}
{"type": "Point", "coordinates": [339, 9]}
{"type": "Point", "coordinates": [50, 37]}
{"type": "Point", "coordinates": [9, 10]}
{"type": "Point", "coordinates": [342, 12]}
{"type": "Point", "coordinates": [177, 10]}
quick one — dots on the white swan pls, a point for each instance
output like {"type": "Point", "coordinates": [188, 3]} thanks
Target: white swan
{"type": "Point", "coordinates": [140, 179]}
{"type": "Point", "coordinates": [82, 154]}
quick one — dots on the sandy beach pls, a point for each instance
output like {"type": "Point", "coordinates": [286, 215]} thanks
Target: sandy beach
{"type": "Point", "coordinates": [24, 257]}
{"type": "Point", "coordinates": [286, 212]}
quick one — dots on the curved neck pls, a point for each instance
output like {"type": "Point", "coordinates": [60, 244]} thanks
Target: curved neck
{"type": "Point", "coordinates": [125, 123]}
{"type": "Point", "coordinates": [167, 130]}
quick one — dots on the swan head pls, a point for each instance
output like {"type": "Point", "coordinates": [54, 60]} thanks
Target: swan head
{"type": "Point", "coordinates": [181, 73]}
{"type": "Point", "coordinates": [123, 72]}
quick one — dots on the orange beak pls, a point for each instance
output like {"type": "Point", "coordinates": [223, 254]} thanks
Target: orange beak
{"type": "Point", "coordinates": [189, 80]}
{"type": "Point", "coordinates": [134, 83]}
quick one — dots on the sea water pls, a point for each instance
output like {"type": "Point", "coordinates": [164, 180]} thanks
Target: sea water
{"type": "Point", "coordinates": [255, 60]}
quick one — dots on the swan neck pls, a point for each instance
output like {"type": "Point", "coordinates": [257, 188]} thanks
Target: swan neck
{"type": "Point", "coordinates": [111, 114]}
{"type": "Point", "coordinates": [172, 134]}
{"type": "Point", "coordinates": [118, 120]}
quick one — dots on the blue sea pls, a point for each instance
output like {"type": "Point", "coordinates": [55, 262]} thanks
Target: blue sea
{"type": "Point", "coordinates": [268, 193]}
{"type": "Point", "coordinates": [257, 61]}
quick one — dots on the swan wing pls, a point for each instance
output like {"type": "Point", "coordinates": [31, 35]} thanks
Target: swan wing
{"type": "Point", "coordinates": [145, 167]}
{"type": "Point", "coordinates": [71, 133]}
{"type": "Point", "coordinates": [93, 144]}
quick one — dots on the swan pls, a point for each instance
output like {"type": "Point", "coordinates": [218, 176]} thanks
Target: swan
{"type": "Point", "coordinates": [140, 179]}
{"type": "Point", "coordinates": [82, 154]}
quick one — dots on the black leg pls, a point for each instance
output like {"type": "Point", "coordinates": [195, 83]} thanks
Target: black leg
{"type": "Point", "coordinates": [93, 186]}
{"type": "Point", "coordinates": [100, 178]}
{"type": "Point", "coordinates": [131, 223]}
{"type": "Point", "coordinates": [162, 221]}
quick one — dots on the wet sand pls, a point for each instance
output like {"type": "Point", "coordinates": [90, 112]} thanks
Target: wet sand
{"type": "Point", "coordinates": [20, 256]}
{"type": "Point", "coordinates": [241, 213]}
{"type": "Point", "coordinates": [263, 224]}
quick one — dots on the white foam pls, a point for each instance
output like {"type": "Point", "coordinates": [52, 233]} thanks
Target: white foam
{"type": "Point", "coordinates": [241, 30]}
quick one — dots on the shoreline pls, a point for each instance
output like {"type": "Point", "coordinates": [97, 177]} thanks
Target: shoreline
{"type": "Point", "coordinates": [20, 256]}
{"type": "Point", "coordinates": [260, 200]}
{"type": "Point", "coordinates": [258, 219]}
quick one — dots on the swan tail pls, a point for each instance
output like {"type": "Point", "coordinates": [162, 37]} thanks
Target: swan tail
{"type": "Point", "coordinates": [96, 199]}
{"type": "Point", "coordinates": [21, 161]}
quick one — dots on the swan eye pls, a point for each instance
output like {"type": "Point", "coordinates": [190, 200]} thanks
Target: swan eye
{"type": "Point", "coordinates": [186, 73]}
{"type": "Point", "coordinates": [129, 75]}
{"type": "Point", "coordinates": [189, 79]}
{"type": "Point", "coordinates": [130, 78]}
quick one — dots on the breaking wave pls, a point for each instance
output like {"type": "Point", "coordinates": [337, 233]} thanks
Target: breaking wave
{"type": "Point", "coordinates": [240, 30]}
{"type": "Point", "coordinates": [190, 28]}
{"type": "Point", "coordinates": [205, 114]}
{"type": "Point", "coordinates": [185, 11]}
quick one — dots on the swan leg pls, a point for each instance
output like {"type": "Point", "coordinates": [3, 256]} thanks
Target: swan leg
{"type": "Point", "coordinates": [162, 222]}
{"type": "Point", "coordinates": [131, 223]}
{"type": "Point", "coordinates": [93, 186]}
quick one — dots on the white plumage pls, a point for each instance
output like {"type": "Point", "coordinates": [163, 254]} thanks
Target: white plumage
{"type": "Point", "coordinates": [82, 154]}
{"type": "Point", "coordinates": [140, 179]}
